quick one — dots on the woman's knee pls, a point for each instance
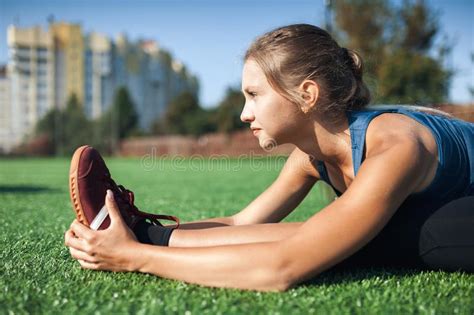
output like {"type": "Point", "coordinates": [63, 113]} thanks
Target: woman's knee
{"type": "Point", "coordinates": [447, 237]}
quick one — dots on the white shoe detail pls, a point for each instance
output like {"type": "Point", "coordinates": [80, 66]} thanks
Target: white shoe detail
{"type": "Point", "coordinates": [99, 219]}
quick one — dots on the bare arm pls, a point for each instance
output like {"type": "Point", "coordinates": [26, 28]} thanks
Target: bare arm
{"type": "Point", "coordinates": [327, 238]}
{"type": "Point", "coordinates": [293, 184]}
{"type": "Point", "coordinates": [324, 240]}
{"type": "Point", "coordinates": [296, 179]}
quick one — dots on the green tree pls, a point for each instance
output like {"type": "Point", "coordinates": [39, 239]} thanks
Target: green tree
{"type": "Point", "coordinates": [48, 127]}
{"type": "Point", "coordinates": [177, 113]}
{"type": "Point", "coordinates": [123, 114]}
{"type": "Point", "coordinates": [412, 78]}
{"type": "Point", "coordinates": [66, 129]}
{"type": "Point", "coordinates": [395, 43]}
{"type": "Point", "coordinates": [117, 123]}
{"type": "Point", "coordinates": [227, 115]}
{"type": "Point", "coordinates": [184, 115]}
{"type": "Point", "coordinates": [419, 26]}
{"type": "Point", "coordinates": [362, 25]}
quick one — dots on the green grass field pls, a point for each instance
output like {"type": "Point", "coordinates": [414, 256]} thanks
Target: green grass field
{"type": "Point", "coordinates": [37, 275]}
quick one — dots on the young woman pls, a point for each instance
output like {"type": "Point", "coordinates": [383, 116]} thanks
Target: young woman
{"type": "Point", "coordinates": [405, 180]}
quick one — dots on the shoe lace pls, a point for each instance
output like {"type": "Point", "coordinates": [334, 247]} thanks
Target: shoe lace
{"type": "Point", "coordinates": [128, 197]}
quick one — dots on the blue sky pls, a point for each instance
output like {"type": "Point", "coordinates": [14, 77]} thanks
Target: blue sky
{"type": "Point", "coordinates": [211, 36]}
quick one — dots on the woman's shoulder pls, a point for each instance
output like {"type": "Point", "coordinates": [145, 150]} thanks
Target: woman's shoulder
{"type": "Point", "coordinates": [392, 129]}
{"type": "Point", "coordinates": [388, 129]}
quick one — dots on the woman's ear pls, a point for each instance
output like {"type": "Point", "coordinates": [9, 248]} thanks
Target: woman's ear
{"type": "Point", "coordinates": [309, 93]}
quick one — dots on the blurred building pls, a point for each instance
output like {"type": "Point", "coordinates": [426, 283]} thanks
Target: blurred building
{"type": "Point", "coordinates": [151, 76]}
{"type": "Point", "coordinates": [31, 76]}
{"type": "Point", "coordinates": [68, 62]}
{"type": "Point", "coordinates": [98, 78]}
{"type": "Point", "coordinates": [46, 67]}
{"type": "Point", "coordinates": [5, 111]}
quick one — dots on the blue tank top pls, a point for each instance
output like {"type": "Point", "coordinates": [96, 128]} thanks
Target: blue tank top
{"type": "Point", "coordinates": [455, 141]}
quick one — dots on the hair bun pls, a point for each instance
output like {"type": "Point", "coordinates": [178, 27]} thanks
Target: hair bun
{"type": "Point", "coordinates": [356, 62]}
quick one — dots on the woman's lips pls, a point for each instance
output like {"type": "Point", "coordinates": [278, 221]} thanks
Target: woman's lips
{"type": "Point", "coordinates": [255, 131]}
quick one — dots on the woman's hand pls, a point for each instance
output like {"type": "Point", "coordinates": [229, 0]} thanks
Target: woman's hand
{"type": "Point", "coordinates": [109, 249]}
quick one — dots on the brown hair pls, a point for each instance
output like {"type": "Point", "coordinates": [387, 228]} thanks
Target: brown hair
{"type": "Point", "coordinates": [291, 54]}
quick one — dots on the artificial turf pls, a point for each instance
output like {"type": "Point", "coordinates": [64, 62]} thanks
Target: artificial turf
{"type": "Point", "coordinates": [37, 275]}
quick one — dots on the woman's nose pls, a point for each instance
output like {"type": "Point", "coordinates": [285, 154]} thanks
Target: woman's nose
{"type": "Point", "coordinates": [247, 115]}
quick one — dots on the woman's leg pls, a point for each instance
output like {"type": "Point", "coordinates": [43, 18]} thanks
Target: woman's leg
{"type": "Point", "coordinates": [447, 237]}
{"type": "Point", "coordinates": [213, 236]}
{"type": "Point", "coordinates": [420, 236]}
{"type": "Point", "coordinates": [396, 245]}
{"type": "Point", "coordinates": [235, 234]}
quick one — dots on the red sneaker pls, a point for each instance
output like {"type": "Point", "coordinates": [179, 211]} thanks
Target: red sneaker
{"type": "Point", "coordinates": [89, 179]}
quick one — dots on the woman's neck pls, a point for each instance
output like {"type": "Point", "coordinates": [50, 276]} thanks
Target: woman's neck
{"type": "Point", "coordinates": [328, 142]}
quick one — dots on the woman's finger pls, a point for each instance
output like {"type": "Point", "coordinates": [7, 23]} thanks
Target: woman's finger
{"type": "Point", "coordinates": [82, 231]}
{"type": "Point", "coordinates": [113, 209]}
{"type": "Point", "coordinates": [89, 265]}
{"type": "Point", "coordinates": [80, 255]}
{"type": "Point", "coordinates": [79, 244]}
{"type": "Point", "coordinates": [67, 236]}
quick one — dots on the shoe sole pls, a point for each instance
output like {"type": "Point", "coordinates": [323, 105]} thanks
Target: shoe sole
{"type": "Point", "coordinates": [73, 185]}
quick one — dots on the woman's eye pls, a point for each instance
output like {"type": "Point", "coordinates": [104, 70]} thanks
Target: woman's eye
{"type": "Point", "coordinates": [252, 94]}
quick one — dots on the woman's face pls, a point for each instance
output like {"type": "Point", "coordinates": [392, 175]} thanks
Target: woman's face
{"type": "Point", "coordinates": [272, 118]}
